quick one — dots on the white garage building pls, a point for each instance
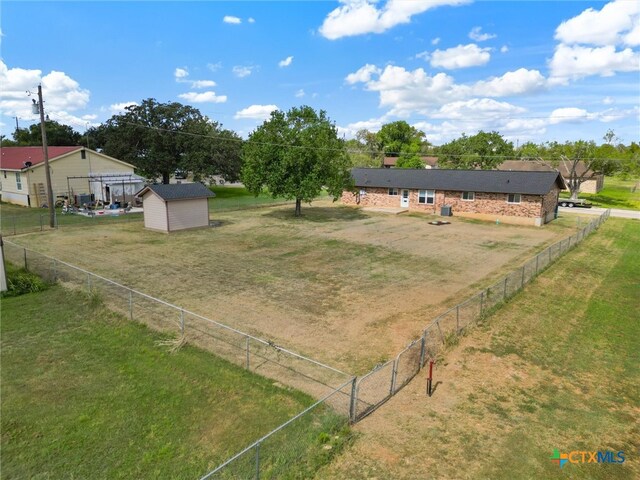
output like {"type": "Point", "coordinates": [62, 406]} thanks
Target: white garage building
{"type": "Point", "coordinates": [179, 206]}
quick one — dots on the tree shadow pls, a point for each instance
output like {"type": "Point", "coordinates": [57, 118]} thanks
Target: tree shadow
{"type": "Point", "coordinates": [319, 214]}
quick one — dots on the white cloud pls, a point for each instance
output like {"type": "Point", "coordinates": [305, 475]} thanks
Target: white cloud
{"type": "Point", "coordinates": [373, 125]}
{"type": "Point", "coordinates": [118, 108]}
{"type": "Point", "coordinates": [256, 112]}
{"type": "Point", "coordinates": [607, 100]}
{"type": "Point", "coordinates": [462, 56]}
{"type": "Point", "coordinates": [203, 97]}
{"type": "Point", "coordinates": [601, 27]}
{"type": "Point", "coordinates": [358, 17]}
{"type": "Point", "coordinates": [203, 84]}
{"type": "Point", "coordinates": [286, 62]}
{"type": "Point", "coordinates": [633, 37]}
{"type": "Point", "coordinates": [504, 49]}
{"type": "Point", "coordinates": [251, 20]}
{"type": "Point", "coordinates": [486, 108]}
{"type": "Point", "coordinates": [242, 71]}
{"type": "Point", "coordinates": [518, 82]}
{"type": "Point", "coordinates": [232, 20]}
{"type": "Point", "coordinates": [570, 115]}
{"type": "Point", "coordinates": [475, 34]}
{"type": "Point", "coordinates": [300, 93]}
{"type": "Point", "coordinates": [180, 74]}
{"type": "Point", "coordinates": [574, 62]}
{"type": "Point", "coordinates": [435, 41]}
{"type": "Point", "coordinates": [363, 74]}
{"type": "Point", "coordinates": [214, 67]}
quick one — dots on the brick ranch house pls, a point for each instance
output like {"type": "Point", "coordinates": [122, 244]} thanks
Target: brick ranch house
{"type": "Point", "coordinates": [523, 198]}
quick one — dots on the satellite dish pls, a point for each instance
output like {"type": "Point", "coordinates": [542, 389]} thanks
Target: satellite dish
{"type": "Point", "coordinates": [27, 164]}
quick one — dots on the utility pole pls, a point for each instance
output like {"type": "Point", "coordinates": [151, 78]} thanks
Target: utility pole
{"type": "Point", "coordinates": [52, 211]}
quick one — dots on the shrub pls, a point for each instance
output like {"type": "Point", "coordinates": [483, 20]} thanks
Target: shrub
{"type": "Point", "coordinates": [21, 281]}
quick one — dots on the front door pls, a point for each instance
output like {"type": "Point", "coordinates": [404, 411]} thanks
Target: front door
{"type": "Point", "coordinates": [404, 199]}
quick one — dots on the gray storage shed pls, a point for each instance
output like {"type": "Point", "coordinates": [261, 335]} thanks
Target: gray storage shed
{"type": "Point", "coordinates": [179, 206]}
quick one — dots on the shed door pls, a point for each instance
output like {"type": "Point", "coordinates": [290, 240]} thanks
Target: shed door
{"type": "Point", "coordinates": [404, 199]}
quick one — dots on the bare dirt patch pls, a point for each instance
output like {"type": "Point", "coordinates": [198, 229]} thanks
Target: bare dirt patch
{"type": "Point", "coordinates": [347, 287]}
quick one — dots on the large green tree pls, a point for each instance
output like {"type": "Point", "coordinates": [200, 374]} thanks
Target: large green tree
{"type": "Point", "coordinates": [58, 135]}
{"type": "Point", "coordinates": [295, 155]}
{"type": "Point", "coordinates": [398, 139]}
{"type": "Point", "coordinates": [365, 150]}
{"type": "Point", "coordinates": [485, 150]}
{"type": "Point", "coordinates": [159, 138]}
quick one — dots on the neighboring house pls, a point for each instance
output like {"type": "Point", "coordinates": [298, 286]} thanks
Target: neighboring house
{"type": "Point", "coordinates": [429, 162]}
{"type": "Point", "coordinates": [525, 198]}
{"type": "Point", "coordinates": [593, 183]}
{"type": "Point", "coordinates": [23, 174]}
{"type": "Point", "coordinates": [177, 206]}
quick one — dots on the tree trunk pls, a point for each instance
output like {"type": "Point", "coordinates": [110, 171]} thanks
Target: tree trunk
{"type": "Point", "coordinates": [298, 206]}
{"type": "Point", "coordinates": [165, 177]}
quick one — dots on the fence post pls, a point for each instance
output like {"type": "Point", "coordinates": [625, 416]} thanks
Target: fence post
{"type": "Point", "coordinates": [353, 403]}
{"type": "Point", "coordinates": [550, 254]}
{"type": "Point", "coordinates": [41, 225]}
{"type": "Point", "coordinates": [457, 318]}
{"type": "Point", "coordinates": [440, 331]}
{"type": "Point", "coordinates": [481, 301]}
{"type": "Point", "coordinates": [258, 461]}
{"type": "Point", "coordinates": [423, 348]}
{"type": "Point", "coordinates": [537, 257]}
{"type": "Point", "coordinates": [55, 271]}
{"type": "Point", "coordinates": [394, 372]}
{"type": "Point", "coordinates": [248, 365]}
{"type": "Point", "coordinates": [25, 259]}
{"type": "Point", "coordinates": [506, 279]}
{"type": "Point", "coordinates": [14, 225]}
{"type": "Point", "coordinates": [89, 282]}
{"type": "Point", "coordinates": [522, 282]}
{"type": "Point", "coordinates": [182, 322]}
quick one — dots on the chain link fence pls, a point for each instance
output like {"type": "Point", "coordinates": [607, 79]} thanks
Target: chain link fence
{"type": "Point", "coordinates": [376, 387]}
{"type": "Point", "coordinates": [287, 451]}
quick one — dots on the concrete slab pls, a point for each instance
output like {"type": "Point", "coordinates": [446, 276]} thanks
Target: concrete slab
{"type": "Point", "coordinates": [392, 211]}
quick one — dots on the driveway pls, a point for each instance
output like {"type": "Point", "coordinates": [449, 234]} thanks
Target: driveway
{"type": "Point", "coordinates": [615, 212]}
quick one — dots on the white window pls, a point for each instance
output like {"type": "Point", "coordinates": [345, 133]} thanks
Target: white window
{"type": "Point", "coordinates": [469, 196]}
{"type": "Point", "coordinates": [513, 198]}
{"type": "Point", "coordinates": [427, 197]}
{"type": "Point", "coordinates": [18, 181]}
{"type": "Point", "coordinates": [393, 191]}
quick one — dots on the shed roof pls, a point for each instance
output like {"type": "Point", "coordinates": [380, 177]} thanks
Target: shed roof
{"type": "Point", "coordinates": [178, 191]}
{"type": "Point", "coordinates": [488, 181]}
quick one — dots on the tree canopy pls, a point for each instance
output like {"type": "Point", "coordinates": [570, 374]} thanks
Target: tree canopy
{"type": "Point", "coordinates": [58, 135]}
{"type": "Point", "coordinates": [295, 155]}
{"type": "Point", "coordinates": [399, 138]}
{"type": "Point", "coordinates": [485, 150]}
{"type": "Point", "coordinates": [159, 138]}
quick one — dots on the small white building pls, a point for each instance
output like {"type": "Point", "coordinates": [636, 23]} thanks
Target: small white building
{"type": "Point", "coordinates": [179, 206]}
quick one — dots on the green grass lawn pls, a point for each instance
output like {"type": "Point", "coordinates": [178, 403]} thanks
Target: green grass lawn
{"type": "Point", "coordinates": [617, 193]}
{"type": "Point", "coordinates": [88, 394]}
{"type": "Point", "coordinates": [233, 198]}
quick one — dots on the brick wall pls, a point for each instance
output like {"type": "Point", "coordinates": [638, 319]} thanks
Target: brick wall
{"type": "Point", "coordinates": [549, 203]}
{"type": "Point", "coordinates": [489, 206]}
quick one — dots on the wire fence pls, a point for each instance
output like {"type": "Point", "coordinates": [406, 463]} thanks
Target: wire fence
{"type": "Point", "coordinates": [376, 387]}
{"type": "Point", "coordinates": [276, 451]}
{"type": "Point", "coordinates": [287, 451]}
{"type": "Point", "coordinates": [33, 220]}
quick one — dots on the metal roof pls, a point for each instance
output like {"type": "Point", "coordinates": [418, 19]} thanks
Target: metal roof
{"type": "Point", "coordinates": [14, 158]}
{"type": "Point", "coordinates": [488, 181]}
{"type": "Point", "coordinates": [178, 191]}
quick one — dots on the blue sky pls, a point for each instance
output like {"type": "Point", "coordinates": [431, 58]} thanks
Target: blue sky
{"type": "Point", "coordinates": [547, 70]}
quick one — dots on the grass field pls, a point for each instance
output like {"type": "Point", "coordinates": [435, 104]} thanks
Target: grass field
{"type": "Point", "coordinates": [341, 285]}
{"type": "Point", "coordinates": [617, 193]}
{"type": "Point", "coordinates": [88, 394]}
{"type": "Point", "coordinates": [558, 367]}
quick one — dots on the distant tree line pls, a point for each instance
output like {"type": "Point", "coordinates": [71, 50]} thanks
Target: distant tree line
{"type": "Point", "coordinates": [297, 153]}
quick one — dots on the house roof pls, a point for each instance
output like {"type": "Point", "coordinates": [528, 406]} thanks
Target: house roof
{"type": "Point", "coordinates": [488, 181]}
{"type": "Point", "coordinates": [564, 167]}
{"type": "Point", "coordinates": [178, 191]}
{"type": "Point", "coordinates": [13, 158]}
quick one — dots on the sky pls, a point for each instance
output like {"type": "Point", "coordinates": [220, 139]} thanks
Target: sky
{"type": "Point", "coordinates": [533, 71]}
